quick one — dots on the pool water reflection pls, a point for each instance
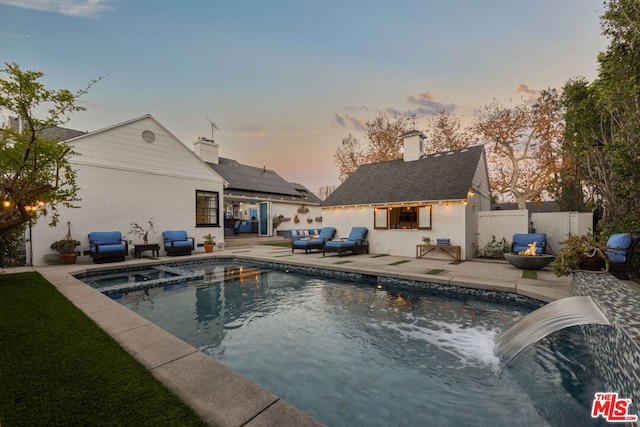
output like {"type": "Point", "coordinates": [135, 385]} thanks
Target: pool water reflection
{"type": "Point", "coordinates": [356, 354]}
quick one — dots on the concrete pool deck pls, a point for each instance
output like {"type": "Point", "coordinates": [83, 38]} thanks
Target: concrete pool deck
{"type": "Point", "coordinates": [219, 395]}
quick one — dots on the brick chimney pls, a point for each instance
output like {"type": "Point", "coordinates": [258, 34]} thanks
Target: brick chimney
{"type": "Point", "coordinates": [207, 149]}
{"type": "Point", "coordinates": [413, 144]}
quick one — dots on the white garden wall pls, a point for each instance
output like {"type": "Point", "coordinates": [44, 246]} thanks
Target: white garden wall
{"type": "Point", "coordinates": [501, 224]}
{"type": "Point", "coordinates": [556, 225]}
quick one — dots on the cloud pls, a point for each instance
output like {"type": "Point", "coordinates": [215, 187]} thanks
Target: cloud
{"type": "Point", "coordinates": [424, 98]}
{"type": "Point", "coordinates": [250, 132]}
{"type": "Point", "coordinates": [427, 105]}
{"type": "Point", "coordinates": [362, 108]}
{"type": "Point", "coordinates": [524, 89]}
{"type": "Point", "coordinates": [82, 8]}
{"type": "Point", "coordinates": [347, 120]}
{"type": "Point", "coordinates": [13, 35]}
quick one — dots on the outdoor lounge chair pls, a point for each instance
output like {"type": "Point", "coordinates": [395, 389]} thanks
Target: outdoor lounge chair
{"type": "Point", "coordinates": [177, 242]}
{"type": "Point", "coordinates": [620, 250]}
{"type": "Point", "coordinates": [313, 242]}
{"type": "Point", "coordinates": [521, 242]}
{"type": "Point", "coordinates": [107, 246]}
{"type": "Point", "coordinates": [355, 243]}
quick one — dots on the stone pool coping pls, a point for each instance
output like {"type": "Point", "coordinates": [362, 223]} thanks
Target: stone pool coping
{"type": "Point", "coordinates": [219, 395]}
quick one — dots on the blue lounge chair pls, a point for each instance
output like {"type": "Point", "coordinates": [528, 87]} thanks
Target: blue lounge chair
{"type": "Point", "coordinates": [355, 243]}
{"type": "Point", "coordinates": [313, 242]}
{"type": "Point", "coordinates": [620, 250]}
{"type": "Point", "coordinates": [107, 246]}
{"type": "Point", "coordinates": [521, 242]}
{"type": "Point", "coordinates": [177, 242]}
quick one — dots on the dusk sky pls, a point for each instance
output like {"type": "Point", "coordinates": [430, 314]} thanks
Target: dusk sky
{"type": "Point", "coordinates": [285, 81]}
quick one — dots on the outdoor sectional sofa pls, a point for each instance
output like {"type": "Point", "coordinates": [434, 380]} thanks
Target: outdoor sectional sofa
{"type": "Point", "coordinates": [177, 242]}
{"type": "Point", "coordinates": [245, 226]}
{"type": "Point", "coordinates": [355, 243]}
{"type": "Point", "coordinates": [107, 246]}
{"type": "Point", "coordinates": [311, 239]}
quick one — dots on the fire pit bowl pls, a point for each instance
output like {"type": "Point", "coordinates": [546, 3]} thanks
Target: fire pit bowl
{"type": "Point", "coordinates": [529, 262]}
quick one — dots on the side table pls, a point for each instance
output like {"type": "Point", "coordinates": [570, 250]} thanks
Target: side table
{"type": "Point", "coordinates": [141, 247]}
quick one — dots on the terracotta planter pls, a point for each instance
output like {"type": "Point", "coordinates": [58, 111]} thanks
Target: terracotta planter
{"type": "Point", "coordinates": [68, 258]}
{"type": "Point", "coordinates": [209, 248]}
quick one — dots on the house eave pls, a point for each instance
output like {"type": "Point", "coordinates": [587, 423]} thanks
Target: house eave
{"type": "Point", "coordinates": [404, 203]}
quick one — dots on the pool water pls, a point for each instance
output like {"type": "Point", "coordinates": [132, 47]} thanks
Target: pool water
{"type": "Point", "coordinates": [356, 354]}
{"type": "Point", "coordinates": [125, 277]}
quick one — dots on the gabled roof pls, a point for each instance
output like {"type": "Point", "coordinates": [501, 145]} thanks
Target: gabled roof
{"type": "Point", "coordinates": [50, 133]}
{"type": "Point", "coordinates": [254, 180]}
{"type": "Point", "coordinates": [440, 176]}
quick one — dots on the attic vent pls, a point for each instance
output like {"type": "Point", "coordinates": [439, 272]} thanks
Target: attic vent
{"type": "Point", "coordinates": [148, 136]}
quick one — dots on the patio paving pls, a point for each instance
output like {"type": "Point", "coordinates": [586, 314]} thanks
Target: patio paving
{"type": "Point", "coordinates": [223, 397]}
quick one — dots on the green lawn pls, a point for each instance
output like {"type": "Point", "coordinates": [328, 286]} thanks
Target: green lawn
{"type": "Point", "coordinates": [57, 367]}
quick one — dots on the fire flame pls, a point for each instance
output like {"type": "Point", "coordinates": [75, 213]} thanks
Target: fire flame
{"type": "Point", "coordinates": [529, 252]}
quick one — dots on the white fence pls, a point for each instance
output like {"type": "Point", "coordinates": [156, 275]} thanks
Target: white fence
{"type": "Point", "coordinates": [556, 225]}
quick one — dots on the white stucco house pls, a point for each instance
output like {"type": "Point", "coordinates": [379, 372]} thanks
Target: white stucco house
{"type": "Point", "coordinates": [258, 194]}
{"type": "Point", "coordinates": [401, 201]}
{"type": "Point", "coordinates": [134, 171]}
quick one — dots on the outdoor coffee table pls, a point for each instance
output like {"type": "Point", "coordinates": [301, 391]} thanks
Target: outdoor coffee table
{"type": "Point", "coordinates": [141, 247]}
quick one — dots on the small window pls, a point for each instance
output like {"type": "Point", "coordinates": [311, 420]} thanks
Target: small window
{"type": "Point", "coordinates": [403, 217]}
{"type": "Point", "coordinates": [207, 208]}
{"type": "Point", "coordinates": [380, 218]}
{"type": "Point", "coordinates": [424, 217]}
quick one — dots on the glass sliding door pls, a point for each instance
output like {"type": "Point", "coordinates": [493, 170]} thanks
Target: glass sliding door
{"type": "Point", "coordinates": [264, 221]}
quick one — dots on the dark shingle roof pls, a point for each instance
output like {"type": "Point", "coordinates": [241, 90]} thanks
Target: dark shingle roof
{"type": "Point", "coordinates": [441, 176]}
{"type": "Point", "coordinates": [256, 180]}
{"type": "Point", "coordinates": [547, 206]}
{"type": "Point", "coordinates": [51, 133]}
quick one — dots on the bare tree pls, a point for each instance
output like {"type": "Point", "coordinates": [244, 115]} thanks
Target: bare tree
{"type": "Point", "coordinates": [523, 142]}
{"type": "Point", "coordinates": [444, 132]}
{"type": "Point", "coordinates": [324, 191]}
{"type": "Point", "coordinates": [382, 144]}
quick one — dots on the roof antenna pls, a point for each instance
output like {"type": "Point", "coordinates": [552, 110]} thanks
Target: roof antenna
{"type": "Point", "coordinates": [213, 126]}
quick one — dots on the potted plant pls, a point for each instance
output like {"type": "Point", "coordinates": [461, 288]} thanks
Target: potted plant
{"type": "Point", "coordinates": [277, 220]}
{"type": "Point", "coordinates": [581, 253]}
{"type": "Point", "coordinates": [142, 232]}
{"type": "Point", "coordinates": [209, 242]}
{"type": "Point", "coordinates": [67, 247]}
{"type": "Point", "coordinates": [426, 240]}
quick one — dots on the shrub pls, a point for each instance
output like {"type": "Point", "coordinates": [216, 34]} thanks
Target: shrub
{"type": "Point", "coordinates": [495, 249]}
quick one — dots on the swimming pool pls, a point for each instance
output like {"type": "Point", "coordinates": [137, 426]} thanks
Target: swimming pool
{"type": "Point", "coordinates": [358, 354]}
